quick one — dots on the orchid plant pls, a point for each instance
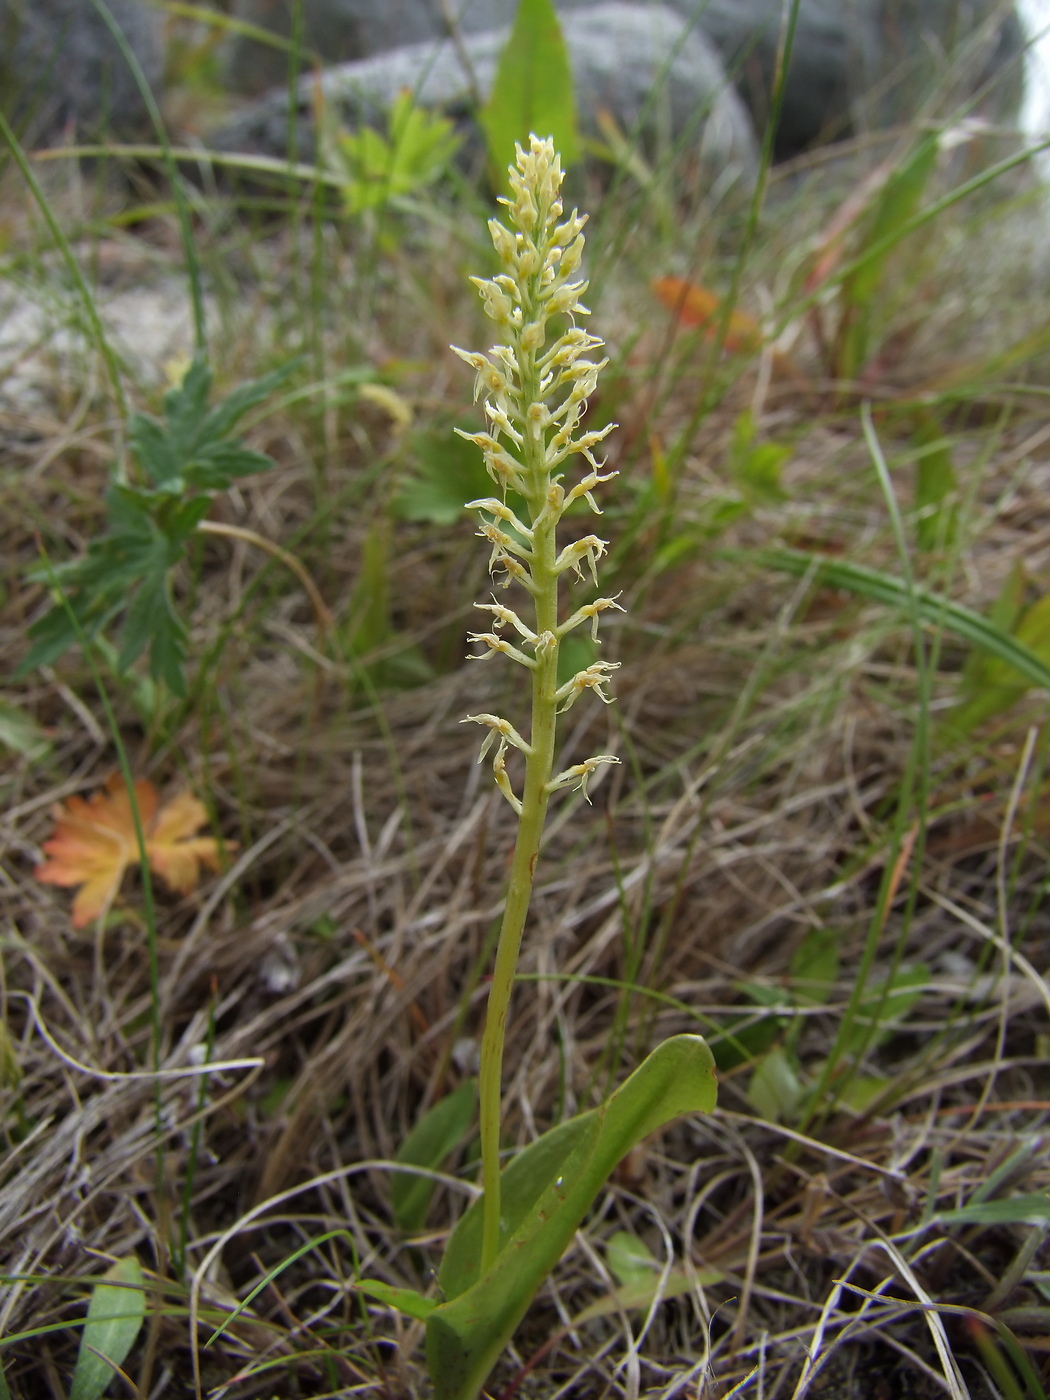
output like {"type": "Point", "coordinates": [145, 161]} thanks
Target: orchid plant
{"type": "Point", "coordinates": [535, 397]}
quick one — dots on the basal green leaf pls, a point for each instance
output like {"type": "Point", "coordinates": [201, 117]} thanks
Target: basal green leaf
{"type": "Point", "coordinates": [894, 208]}
{"type": "Point", "coordinates": [744, 1038]}
{"type": "Point", "coordinates": [862, 1091]}
{"type": "Point", "coordinates": [640, 1277]}
{"type": "Point", "coordinates": [115, 1313]}
{"type": "Point", "coordinates": [987, 687]}
{"type": "Point", "coordinates": [639, 1293]}
{"type": "Point", "coordinates": [523, 1181]}
{"type": "Point", "coordinates": [768, 994]}
{"type": "Point", "coordinates": [533, 91]}
{"type": "Point", "coordinates": [756, 466]}
{"type": "Point", "coordinates": [775, 1090]}
{"type": "Point", "coordinates": [936, 486]}
{"type": "Point", "coordinates": [1003, 614]}
{"type": "Point", "coordinates": [630, 1258]}
{"type": "Point", "coordinates": [896, 203]}
{"type": "Point", "coordinates": [405, 1300]}
{"type": "Point", "coordinates": [438, 1133]}
{"type": "Point", "coordinates": [815, 965]}
{"type": "Point", "coordinates": [547, 1191]}
{"type": "Point", "coordinates": [887, 1004]}
{"type": "Point", "coordinates": [21, 734]}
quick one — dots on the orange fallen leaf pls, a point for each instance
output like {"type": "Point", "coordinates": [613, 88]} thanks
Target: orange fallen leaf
{"type": "Point", "coordinates": [94, 844]}
{"type": "Point", "coordinates": [696, 306]}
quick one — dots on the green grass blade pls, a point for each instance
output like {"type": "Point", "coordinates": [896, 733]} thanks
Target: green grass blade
{"type": "Point", "coordinates": [189, 244]}
{"type": "Point", "coordinates": [934, 609]}
{"type": "Point", "coordinates": [105, 349]}
{"type": "Point", "coordinates": [1011, 1210]}
{"type": "Point", "coordinates": [115, 1314]}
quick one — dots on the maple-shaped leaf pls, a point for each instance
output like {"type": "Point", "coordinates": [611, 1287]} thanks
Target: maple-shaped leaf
{"type": "Point", "coordinates": [95, 842]}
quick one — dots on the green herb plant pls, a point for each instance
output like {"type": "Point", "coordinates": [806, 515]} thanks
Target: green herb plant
{"type": "Point", "coordinates": [536, 392]}
{"type": "Point", "coordinates": [377, 170]}
{"type": "Point", "coordinates": [128, 568]}
{"type": "Point", "coordinates": [781, 1088]}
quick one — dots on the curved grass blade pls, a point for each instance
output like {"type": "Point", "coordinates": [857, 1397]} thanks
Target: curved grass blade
{"type": "Point", "coordinates": [934, 609]}
{"type": "Point", "coordinates": [189, 244]}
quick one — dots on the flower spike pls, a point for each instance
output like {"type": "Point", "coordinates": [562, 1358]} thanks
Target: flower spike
{"type": "Point", "coordinates": [535, 386]}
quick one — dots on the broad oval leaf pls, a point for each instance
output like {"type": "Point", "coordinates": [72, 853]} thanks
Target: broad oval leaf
{"type": "Point", "coordinates": [547, 1191]}
{"type": "Point", "coordinates": [114, 1318]}
{"type": "Point", "coordinates": [642, 1279]}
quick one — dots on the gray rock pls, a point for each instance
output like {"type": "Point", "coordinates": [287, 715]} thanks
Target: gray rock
{"type": "Point", "coordinates": [958, 49]}
{"type": "Point", "coordinates": [843, 50]}
{"type": "Point", "coordinates": [59, 64]}
{"type": "Point", "coordinates": [640, 62]}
